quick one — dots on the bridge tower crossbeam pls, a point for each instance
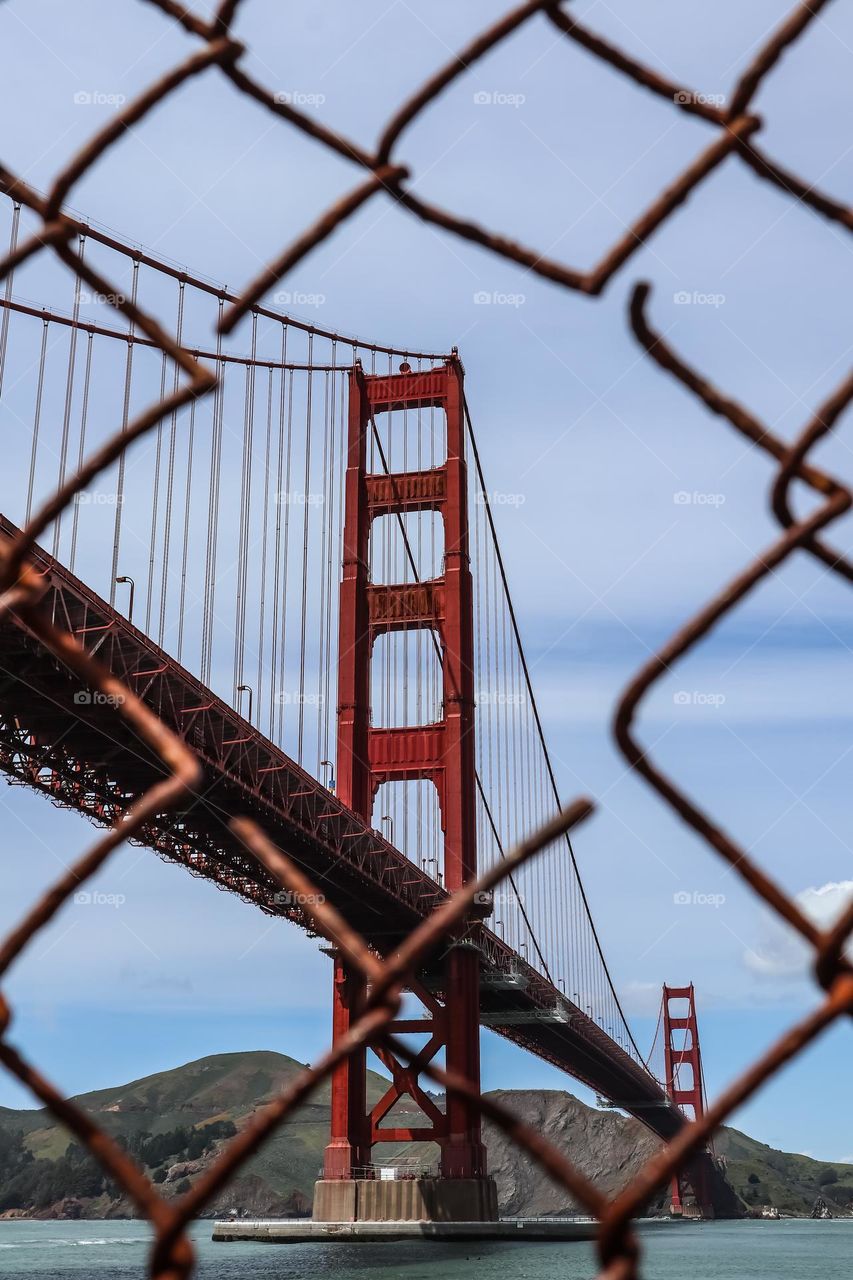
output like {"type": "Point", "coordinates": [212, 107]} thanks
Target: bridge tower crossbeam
{"type": "Point", "coordinates": [442, 753]}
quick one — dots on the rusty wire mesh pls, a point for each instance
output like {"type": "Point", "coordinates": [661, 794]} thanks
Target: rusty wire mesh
{"type": "Point", "coordinates": [22, 588]}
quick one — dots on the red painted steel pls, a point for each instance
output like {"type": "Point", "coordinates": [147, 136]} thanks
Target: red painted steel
{"type": "Point", "coordinates": [442, 753]}
{"type": "Point", "coordinates": [690, 1098]}
{"type": "Point", "coordinates": [348, 1146]}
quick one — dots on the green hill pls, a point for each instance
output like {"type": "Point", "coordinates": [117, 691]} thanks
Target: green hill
{"type": "Point", "coordinates": [764, 1176]}
{"type": "Point", "coordinates": [175, 1122]}
{"type": "Point", "coordinates": [175, 1112]}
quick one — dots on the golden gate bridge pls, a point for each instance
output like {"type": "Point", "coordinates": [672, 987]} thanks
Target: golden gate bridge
{"type": "Point", "coordinates": [300, 575]}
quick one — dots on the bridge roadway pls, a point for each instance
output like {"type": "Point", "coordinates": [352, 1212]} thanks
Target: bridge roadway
{"type": "Point", "coordinates": [83, 755]}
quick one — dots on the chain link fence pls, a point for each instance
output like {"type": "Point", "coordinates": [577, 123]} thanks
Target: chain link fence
{"type": "Point", "coordinates": [22, 588]}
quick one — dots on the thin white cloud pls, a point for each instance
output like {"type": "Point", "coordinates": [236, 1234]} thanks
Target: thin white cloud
{"type": "Point", "coordinates": [782, 953]}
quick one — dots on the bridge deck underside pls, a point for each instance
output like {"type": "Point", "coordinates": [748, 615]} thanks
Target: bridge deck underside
{"type": "Point", "coordinates": [79, 751]}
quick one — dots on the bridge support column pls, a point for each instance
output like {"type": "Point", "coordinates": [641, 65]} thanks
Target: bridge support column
{"type": "Point", "coordinates": [463, 1154]}
{"type": "Point", "coordinates": [347, 1151]}
{"type": "Point", "coordinates": [688, 1095]}
{"type": "Point", "coordinates": [371, 754]}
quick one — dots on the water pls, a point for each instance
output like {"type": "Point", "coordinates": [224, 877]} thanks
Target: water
{"type": "Point", "coordinates": [787, 1250]}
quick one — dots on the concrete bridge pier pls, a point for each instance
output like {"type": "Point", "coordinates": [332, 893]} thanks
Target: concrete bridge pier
{"type": "Point", "coordinates": [406, 1200]}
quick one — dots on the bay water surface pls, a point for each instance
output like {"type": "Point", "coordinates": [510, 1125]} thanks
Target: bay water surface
{"type": "Point", "coordinates": [785, 1250]}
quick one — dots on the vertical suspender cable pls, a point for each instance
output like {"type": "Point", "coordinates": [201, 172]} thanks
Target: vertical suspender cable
{"type": "Point", "coordinates": [326, 574]}
{"type": "Point", "coordinates": [155, 503]}
{"type": "Point", "coordinates": [334, 515]}
{"type": "Point", "coordinates": [37, 417]}
{"type": "Point", "coordinates": [321, 651]}
{"type": "Point", "coordinates": [122, 461]}
{"type": "Point", "coordinates": [84, 417]}
{"type": "Point", "coordinates": [259, 691]}
{"type": "Point", "coordinates": [282, 688]}
{"type": "Point", "coordinates": [213, 507]}
{"type": "Point", "coordinates": [245, 515]}
{"type": "Point", "coordinates": [305, 541]}
{"type": "Point", "coordinates": [186, 534]}
{"type": "Point", "coordinates": [7, 315]}
{"type": "Point", "coordinates": [69, 396]}
{"type": "Point", "coordinates": [170, 480]}
{"type": "Point", "coordinates": [277, 599]}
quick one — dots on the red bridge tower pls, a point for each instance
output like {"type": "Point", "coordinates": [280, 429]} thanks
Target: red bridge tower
{"type": "Point", "coordinates": [689, 1096]}
{"type": "Point", "coordinates": [443, 753]}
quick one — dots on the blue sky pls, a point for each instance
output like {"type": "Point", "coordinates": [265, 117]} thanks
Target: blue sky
{"type": "Point", "coordinates": [604, 560]}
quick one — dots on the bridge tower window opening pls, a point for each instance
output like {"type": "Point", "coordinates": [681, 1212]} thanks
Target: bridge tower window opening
{"type": "Point", "coordinates": [407, 439]}
{"type": "Point", "coordinates": [415, 820]}
{"type": "Point", "coordinates": [407, 546]}
{"type": "Point", "coordinates": [406, 679]}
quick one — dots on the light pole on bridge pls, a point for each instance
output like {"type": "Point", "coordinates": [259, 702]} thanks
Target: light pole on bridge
{"type": "Point", "coordinates": [247, 688]}
{"type": "Point", "coordinates": [124, 580]}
